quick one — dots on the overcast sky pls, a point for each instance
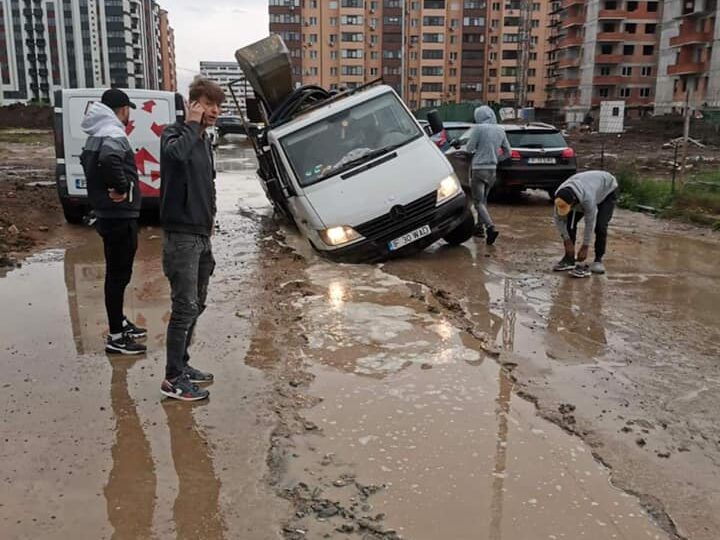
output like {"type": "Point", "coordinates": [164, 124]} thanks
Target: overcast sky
{"type": "Point", "coordinates": [213, 30]}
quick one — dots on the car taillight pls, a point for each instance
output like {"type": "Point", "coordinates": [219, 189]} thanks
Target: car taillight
{"type": "Point", "coordinates": [568, 153]}
{"type": "Point", "coordinates": [515, 155]}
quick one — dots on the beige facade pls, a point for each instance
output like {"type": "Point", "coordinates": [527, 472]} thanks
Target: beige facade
{"type": "Point", "coordinates": [167, 54]}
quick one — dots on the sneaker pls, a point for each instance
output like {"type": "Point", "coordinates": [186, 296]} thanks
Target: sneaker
{"type": "Point", "coordinates": [492, 235]}
{"type": "Point", "coordinates": [597, 267]}
{"type": "Point", "coordinates": [181, 388]}
{"type": "Point", "coordinates": [132, 330]}
{"type": "Point", "coordinates": [197, 376]}
{"type": "Point", "coordinates": [125, 344]}
{"type": "Point", "coordinates": [565, 264]}
{"type": "Point", "coordinates": [479, 231]}
{"type": "Point", "coordinates": [580, 271]}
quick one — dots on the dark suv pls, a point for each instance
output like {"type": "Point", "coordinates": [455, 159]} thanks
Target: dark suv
{"type": "Point", "coordinates": [229, 124]}
{"type": "Point", "coordinates": [540, 159]}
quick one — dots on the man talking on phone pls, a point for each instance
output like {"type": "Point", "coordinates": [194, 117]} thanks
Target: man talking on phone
{"type": "Point", "coordinates": [187, 213]}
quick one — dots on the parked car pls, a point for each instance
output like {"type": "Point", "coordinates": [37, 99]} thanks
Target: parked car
{"type": "Point", "coordinates": [229, 125]}
{"type": "Point", "coordinates": [540, 158]}
{"type": "Point", "coordinates": [155, 109]}
{"type": "Point", "coordinates": [451, 131]}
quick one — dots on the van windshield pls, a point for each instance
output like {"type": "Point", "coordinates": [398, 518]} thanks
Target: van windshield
{"type": "Point", "coordinates": [349, 138]}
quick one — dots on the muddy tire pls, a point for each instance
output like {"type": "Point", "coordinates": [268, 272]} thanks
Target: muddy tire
{"type": "Point", "coordinates": [73, 214]}
{"type": "Point", "coordinates": [462, 232]}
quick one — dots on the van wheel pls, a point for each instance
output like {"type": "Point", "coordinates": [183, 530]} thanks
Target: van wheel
{"type": "Point", "coordinates": [73, 214]}
{"type": "Point", "coordinates": [462, 232]}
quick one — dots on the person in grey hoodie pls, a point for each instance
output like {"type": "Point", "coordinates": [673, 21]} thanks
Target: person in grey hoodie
{"type": "Point", "coordinates": [187, 213]}
{"type": "Point", "coordinates": [487, 139]}
{"type": "Point", "coordinates": [592, 195]}
{"type": "Point", "coordinates": [114, 194]}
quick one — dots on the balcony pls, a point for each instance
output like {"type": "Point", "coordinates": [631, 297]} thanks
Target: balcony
{"type": "Point", "coordinates": [691, 38]}
{"type": "Point", "coordinates": [574, 20]}
{"type": "Point", "coordinates": [609, 80]}
{"type": "Point", "coordinates": [613, 14]}
{"type": "Point", "coordinates": [568, 42]}
{"type": "Point", "coordinates": [569, 3]}
{"type": "Point", "coordinates": [616, 37]}
{"type": "Point", "coordinates": [688, 68]}
{"type": "Point", "coordinates": [609, 59]}
{"type": "Point", "coordinates": [567, 83]}
{"type": "Point", "coordinates": [565, 63]}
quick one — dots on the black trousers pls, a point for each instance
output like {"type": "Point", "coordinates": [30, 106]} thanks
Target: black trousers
{"type": "Point", "coordinates": [120, 242]}
{"type": "Point", "coordinates": [604, 215]}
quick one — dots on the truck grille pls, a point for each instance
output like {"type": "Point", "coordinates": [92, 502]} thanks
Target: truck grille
{"type": "Point", "coordinates": [400, 219]}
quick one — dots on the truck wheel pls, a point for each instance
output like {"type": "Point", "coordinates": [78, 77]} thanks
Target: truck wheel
{"type": "Point", "coordinates": [73, 214]}
{"type": "Point", "coordinates": [462, 232]}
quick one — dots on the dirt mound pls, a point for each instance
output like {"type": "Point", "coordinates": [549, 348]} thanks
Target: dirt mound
{"type": "Point", "coordinates": [19, 115]}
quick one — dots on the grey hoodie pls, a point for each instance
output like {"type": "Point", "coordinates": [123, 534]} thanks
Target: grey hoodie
{"type": "Point", "coordinates": [485, 140]}
{"type": "Point", "coordinates": [591, 188]}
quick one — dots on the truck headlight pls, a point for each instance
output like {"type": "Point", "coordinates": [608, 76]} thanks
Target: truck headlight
{"type": "Point", "coordinates": [448, 188]}
{"type": "Point", "coordinates": [337, 236]}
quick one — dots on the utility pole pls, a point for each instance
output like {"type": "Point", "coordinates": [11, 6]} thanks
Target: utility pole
{"type": "Point", "coordinates": [523, 52]}
{"type": "Point", "coordinates": [686, 136]}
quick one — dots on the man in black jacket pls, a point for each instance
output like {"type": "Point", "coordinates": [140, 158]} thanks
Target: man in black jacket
{"type": "Point", "coordinates": [187, 212]}
{"type": "Point", "coordinates": [114, 195]}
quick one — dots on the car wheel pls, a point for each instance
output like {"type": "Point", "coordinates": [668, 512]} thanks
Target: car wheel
{"type": "Point", "coordinates": [73, 214]}
{"type": "Point", "coordinates": [462, 233]}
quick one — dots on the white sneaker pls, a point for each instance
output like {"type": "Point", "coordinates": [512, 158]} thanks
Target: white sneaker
{"type": "Point", "coordinates": [597, 268]}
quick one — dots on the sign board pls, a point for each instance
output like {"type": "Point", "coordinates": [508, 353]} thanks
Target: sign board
{"type": "Point", "coordinates": [612, 117]}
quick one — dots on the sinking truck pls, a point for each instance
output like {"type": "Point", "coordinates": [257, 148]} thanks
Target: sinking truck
{"type": "Point", "coordinates": [353, 170]}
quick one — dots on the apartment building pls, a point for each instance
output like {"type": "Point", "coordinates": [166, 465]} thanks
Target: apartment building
{"type": "Point", "coordinates": [506, 41]}
{"type": "Point", "coordinates": [430, 51]}
{"type": "Point", "coordinates": [168, 67]}
{"type": "Point", "coordinates": [46, 45]}
{"type": "Point", "coordinates": [689, 62]}
{"type": "Point", "coordinates": [224, 73]}
{"type": "Point", "coordinates": [603, 50]}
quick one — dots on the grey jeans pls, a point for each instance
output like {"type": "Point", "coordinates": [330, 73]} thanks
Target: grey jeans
{"type": "Point", "coordinates": [188, 264]}
{"type": "Point", "coordinates": [481, 182]}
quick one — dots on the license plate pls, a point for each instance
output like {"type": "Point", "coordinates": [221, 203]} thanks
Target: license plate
{"type": "Point", "coordinates": [410, 237]}
{"type": "Point", "coordinates": [541, 161]}
{"type": "Point", "coordinates": [80, 183]}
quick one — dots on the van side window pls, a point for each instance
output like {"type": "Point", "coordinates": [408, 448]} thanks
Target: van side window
{"type": "Point", "coordinates": [280, 168]}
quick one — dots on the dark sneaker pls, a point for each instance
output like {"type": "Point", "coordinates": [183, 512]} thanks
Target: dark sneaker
{"type": "Point", "coordinates": [125, 344]}
{"type": "Point", "coordinates": [565, 264]}
{"type": "Point", "coordinates": [132, 330]}
{"type": "Point", "coordinates": [479, 231]}
{"type": "Point", "coordinates": [492, 235]}
{"type": "Point", "coordinates": [580, 271]}
{"type": "Point", "coordinates": [181, 388]}
{"type": "Point", "coordinates": [197, 376]}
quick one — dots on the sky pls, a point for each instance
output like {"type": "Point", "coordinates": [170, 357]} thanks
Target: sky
{"type": "Point", "coordinates": [213, 30]}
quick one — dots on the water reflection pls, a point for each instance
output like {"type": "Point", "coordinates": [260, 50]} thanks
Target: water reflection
{"type": "Point", "coordinates": [197, 505]}
{"type": "Point", "coordinates": [130, 489]}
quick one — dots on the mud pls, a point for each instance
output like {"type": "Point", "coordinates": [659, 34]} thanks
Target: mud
{"type": "Point", "coordinates": [375, 402]}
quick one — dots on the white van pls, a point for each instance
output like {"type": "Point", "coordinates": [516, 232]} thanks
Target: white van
{"type": "Point", "coordinates": [354, 170]}
{"type": "Point", "coordinates": [154, 110]}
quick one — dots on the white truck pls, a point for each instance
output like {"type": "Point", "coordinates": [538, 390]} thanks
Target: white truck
{"type": "Point", "coordinates": [154, 110]}
{"type": "Point", "coordinates": [353, 170]}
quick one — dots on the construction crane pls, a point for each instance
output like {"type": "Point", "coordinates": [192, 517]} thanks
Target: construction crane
{"type": "Point", "coordinates": [523, 52]}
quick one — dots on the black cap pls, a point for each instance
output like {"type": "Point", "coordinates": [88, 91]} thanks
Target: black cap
{"type": "Point", "coordinates": [116, 98]}
{"type": "Point", "coordinates": [568, 195]}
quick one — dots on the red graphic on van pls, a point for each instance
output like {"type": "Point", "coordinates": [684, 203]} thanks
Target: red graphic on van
{"type": "Point", "coordinates": [148, 106]}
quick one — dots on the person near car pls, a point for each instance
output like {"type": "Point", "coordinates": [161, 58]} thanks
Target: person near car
{"type": "Point", "coordinates": [590, 195]}
{"type": "Point", "coordinates": [114, 194]}
{"type": "Point", "coordinates": [187, 213]}
{"type": "Point", "coordinates": [488, 144]}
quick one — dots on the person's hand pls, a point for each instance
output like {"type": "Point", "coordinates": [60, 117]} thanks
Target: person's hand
{"type": "Point", "coordinates": [569, 248]}
{"type": "Point", "coordinates": [195, 112]}
{"type": "Point", "coordinates": [116, 197]}
{"type": "Point", "coordinates": [582, 254]}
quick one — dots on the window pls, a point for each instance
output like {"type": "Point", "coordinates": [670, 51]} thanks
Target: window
{"type": "Point", "coordinates": [391, 54]}
{"type": "Point", "coordinates": [605, 71]}
{"type": "Point", "coordinates": [453, 72]}
{"type": "Point", "coordinates": [433, 21]}
{"type": "Point", "coordinates": [628, 50]}
{"type": "Point", "coordinates": [645, 92]}
{"type": "Point", "coordinates": [650, 28]}
{"type": "Point", "coordinates": [351, 3]}
{"type": "Point", "coordinates": [648, 50]}
{"type": "Point", "coordinates": [351, 19]}
{"type": "Point", "coordinates": [432, 71]}
{"type": "Point", "coordinates": [436, 54]}
{"type": "Point", "coordinates": [509, 55]}
{"type": "Point", "coordinates": [474, 21]}
{"type": "Point", "coordinates": [434, 4]}
{"type": "Point", "coordinates": [606, 48]}
{"type": "Point", "coordinates": [431, 87]}
{"type": "Point", "coordinates": [392, 21]}
{"type": "Point", "coordinates": [646, 71]}
{"type": "Point", "coordinates": [626, 71]}
{"type": "Point", "coordinates": [507, 87]}
{"type": "Point", "coordinates": [352, 53]}
{"type": "Point", "coordinates": [508, 71]}
{"type": "Point", "coordinates": [625, 92]}
{"type": "Point", "coordinates": [349, 36]}
{"type": "Point", "coordinates": [374, 55]}
{"type": "Point", "coordinates": [652, 7]}
{"type": "Point", "coordinates": [632, 6]}
{"type": "Point", "coordinates": [351, 70]}
{"type": "Point", "coordinates": [373, 72]}
{"type": "Point", "coordinates": [433, 38]}
{"type": "Point", "coordinates": [630, 28]}
{"type": "Point", "coordinates": [496, 6]}
{"type": "Point", "coordinates": [604, 92]}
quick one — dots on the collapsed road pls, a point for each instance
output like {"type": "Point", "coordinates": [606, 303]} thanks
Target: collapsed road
{"type": "Point", "coordinates": [466, 392]}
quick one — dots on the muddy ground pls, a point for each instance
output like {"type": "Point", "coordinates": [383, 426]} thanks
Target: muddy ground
{"type": "Point", "coordinates": [462, 393]}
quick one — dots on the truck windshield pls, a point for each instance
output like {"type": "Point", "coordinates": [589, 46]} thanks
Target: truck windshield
{"type": "Point", "coordinates": [349, 138]}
